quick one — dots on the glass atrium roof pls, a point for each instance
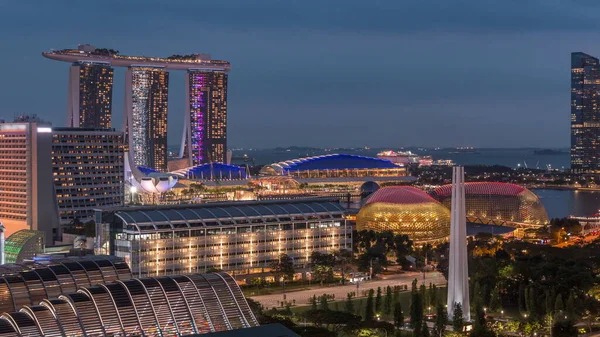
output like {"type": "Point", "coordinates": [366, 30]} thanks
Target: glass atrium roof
{"type": "Point", "coordinates": [231, 213]}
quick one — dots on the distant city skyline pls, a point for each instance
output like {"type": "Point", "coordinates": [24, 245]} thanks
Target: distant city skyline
{"type": "Point", "coordinates": [350, 74]}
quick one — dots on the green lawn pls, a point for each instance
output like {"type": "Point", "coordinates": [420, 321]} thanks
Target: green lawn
{"type": "Point", "coordinates": [360, 305]}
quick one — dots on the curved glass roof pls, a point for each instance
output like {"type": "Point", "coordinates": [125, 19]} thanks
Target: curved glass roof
{"type": "Point", "coordinates": [15, 243]}
{"type": "Point", "coordinates": [146, 219]}
{"type": "Point", "coordinates": [333, 162]}
{"type": "Point", "coordinates": [29, 283]}
{"type": "Point", "coordinates": [159, 306]}
{"type": "Point", "coordinates": [213, 171]}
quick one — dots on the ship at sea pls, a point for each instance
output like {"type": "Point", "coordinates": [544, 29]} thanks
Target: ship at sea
{"type": "Point", "coordinates": [408, 158]}
{"type": "Point", "coordinates": [464, 149]}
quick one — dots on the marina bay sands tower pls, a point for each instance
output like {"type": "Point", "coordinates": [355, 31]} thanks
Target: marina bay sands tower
{"type": "Point", "coordinates": [204, 138]}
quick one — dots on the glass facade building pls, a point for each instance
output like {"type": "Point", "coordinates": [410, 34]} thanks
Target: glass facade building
{"type": "Point", "coordinates": [585, 113]}
{"type": "Point", "coordinates": [240, 237]}
{"type": "Point", "coordinates": [88, 171]}
{"type": "Point", "coordinates": [497, 203]}
{"type": "Point", "coordinates": [99, 297]}
{"type": "Point", "coordinates": [405, 210]}
{"type": "Point", "coordinates": [146, 116]}
{"type": "Point", "coordinates": [205, 128]}
{"type": "Point", "coordinates": [90, 95]}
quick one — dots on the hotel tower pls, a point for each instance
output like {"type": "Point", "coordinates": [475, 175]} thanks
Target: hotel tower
{"type": "Point", "coordinates": [204, 137]}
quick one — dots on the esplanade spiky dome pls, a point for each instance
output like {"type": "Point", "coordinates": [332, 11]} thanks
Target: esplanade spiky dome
{"type": "Point", "coordinates": [405, 210]}
{"type": "Point", "coordinates": [497, 202]}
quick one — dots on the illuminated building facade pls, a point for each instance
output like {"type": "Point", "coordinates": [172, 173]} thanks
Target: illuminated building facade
{"type": "Point", "coordinates": [26, 187]}
{"type": "Point", "coordinates": [146, 106]}
{"type": "Point", "coordinates": [88, 171]}
{"type": "Point", "coordinates": [405, 210]}
{"type": "Point", "coordinates": [335, 166]}
{"type": "Point", "coordinates": [204, 137]}
{"type": "Point", "coordinates": [585, 113]}
{"type": "Point", "coordinates": [90, 95]}
{"type": "Point", "coordinates": [497, 203]}
{"type": "Point", "coordinates": [22, 245]}
{"type": "Point", "coordinates": [99, 297]}
{"type": "Point", "coordinates": [240, 237]}
{"type": "Point", "coordinates": [205, 126]}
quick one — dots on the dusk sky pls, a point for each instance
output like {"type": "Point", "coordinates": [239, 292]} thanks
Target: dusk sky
{"type": "Point", "coordinates": [483, 73]}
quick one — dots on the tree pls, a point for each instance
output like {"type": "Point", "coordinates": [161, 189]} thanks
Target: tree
{"type": "Point", "coordinates": [323, 303]}
{"type": "Point", "coordinates": [476, 293]}
{"type": "Point", "coordinates": [423, 293]}
{"type": "Point", "coordinates": [416, 310]}
{"type": "Point", "coordinates": [432, 295]}
{"type": "Point", "coordinates": [343, 261]}
{"type": "Point", "coordinates": [522, 308]}
{"type": "Point", "coordinates": [425, 330]}
{"type": "Point", "coordinates": [398, 315]}
{"type": "Point", "coordinates": [322, 267]}
{"type": "Point", "coordinates": [349, 304]}
{"type": "Point", "coordinates": [564, 328]}
{"type": "Point", "coordinates": [284, 269]}
{"type": "Point", "coordinates": [369, 309]}
{"type": "Point", "coordinates": [378, 301]}
{"type": "Point", "coordinates": [457, 319]}
{"type": "Point", "coordinates": [570, 306]}
{"type": "Point", "coordinates": [495, 304]}
{"type": "Point", "coordinates": [441, 318]}
{"type": "Point", "coordinates": [558, 304]}
{"type": "Point", "coordinates": [387, 301]}
{"type": "Point", "coordinates": [531, 303]}
{"type": "Point", "coordinates": [549, 293]}
{"type": "Point", "coordinates": [396, 297]}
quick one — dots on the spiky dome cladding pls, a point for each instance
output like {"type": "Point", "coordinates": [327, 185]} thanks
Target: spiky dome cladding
{"type": "Point", "coordinates": [405, 210]}
{"type": "Point", "coordinates": [497, 201]}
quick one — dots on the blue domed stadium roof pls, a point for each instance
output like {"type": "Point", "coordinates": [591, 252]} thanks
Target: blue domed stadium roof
{"type": "Point", "coordinates": [213, 171]}
{"type": "Point", "coordinates": [147, 170]}
{"type": "Point", "coordinates": [333, 162]}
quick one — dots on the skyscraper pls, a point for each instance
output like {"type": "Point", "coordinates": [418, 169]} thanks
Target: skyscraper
{"type": "Point", "coordinates": [585, 113]}
{"type": "Point", "coordinates": [90, 95]}
{"type": "Point", "coordinates": [146, 116]}
{"type": "Point", "coordinates": [26, 186]}
{"type": "Point", "coordinates": [88, 171]}
{"type": "Point", "coordinates": [205, 126]}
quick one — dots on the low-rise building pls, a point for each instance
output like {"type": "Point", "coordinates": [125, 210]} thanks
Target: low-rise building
{"type": "Point", "coordinates": [240, 237]}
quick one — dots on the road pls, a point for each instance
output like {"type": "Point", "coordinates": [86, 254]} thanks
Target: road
{"type": "Point", "coordinates": [340, 292]}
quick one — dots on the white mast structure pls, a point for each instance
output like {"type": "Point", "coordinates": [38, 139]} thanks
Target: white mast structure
{"type": "Point", "coordinates": [458, 275]}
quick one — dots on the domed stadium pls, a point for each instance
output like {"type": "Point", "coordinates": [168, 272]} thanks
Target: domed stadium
{"type": "Point", "coordinates": [497, 203]}
{"type": "Point", "coordinates": [334, 166]}
{"type": "Point", "coordinates": [405, 210]}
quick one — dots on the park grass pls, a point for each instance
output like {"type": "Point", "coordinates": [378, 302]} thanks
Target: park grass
{"type": "Point", "coordinates": [360, 304]}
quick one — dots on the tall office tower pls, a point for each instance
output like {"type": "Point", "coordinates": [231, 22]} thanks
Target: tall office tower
{"type": "Point", "coordinates": [585, 113]}
{"type": "Point", "coordinates": [146, 101]}
{"type": "Point", "coordinates": [90, 95]}
{"type": "Point", "coordinates": [88, 171]}
{"type": "Point", "coordinates": [205, 126]}
{"type": "Point", "coordinates": [26, 190]}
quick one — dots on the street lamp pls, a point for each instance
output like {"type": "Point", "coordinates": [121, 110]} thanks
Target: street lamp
{"type": "Point", "coordinates": [502, 313]}
{"type": "Point", "coordinates": [378, 317]}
